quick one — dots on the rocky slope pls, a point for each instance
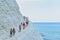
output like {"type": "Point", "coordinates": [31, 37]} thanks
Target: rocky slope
{"type": "Point", "coordinates": [10, 17]}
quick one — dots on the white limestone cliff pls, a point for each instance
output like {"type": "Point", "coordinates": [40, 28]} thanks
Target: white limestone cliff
{"type": "Point", "coordinates": [10, 17]}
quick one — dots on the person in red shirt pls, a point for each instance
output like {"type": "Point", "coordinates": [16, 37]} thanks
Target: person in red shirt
{"type": "Point", "coordinates": [23, 25]}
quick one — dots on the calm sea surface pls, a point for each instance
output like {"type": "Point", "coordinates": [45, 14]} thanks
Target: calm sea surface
{"type": "Point", "coordinates": [49, 30]}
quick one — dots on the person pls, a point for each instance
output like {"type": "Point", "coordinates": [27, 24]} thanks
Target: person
{"type": "Point", "coordinates": [19, 28]}
{"type": "Point", "coordinates": [27, 21]}
{"type": "Point", "coordinates": [23, 25]}
{"type": "Point", "coordinates": [24, 17]}
{"type": "Point", "coordinates": [11, 32]}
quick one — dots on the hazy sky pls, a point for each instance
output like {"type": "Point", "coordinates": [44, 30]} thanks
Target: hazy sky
{"type": "Point", "coordinates": [40, 10]}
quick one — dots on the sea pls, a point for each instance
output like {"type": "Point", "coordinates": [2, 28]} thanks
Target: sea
{"type": "Point", "coordinates": [48, 30]}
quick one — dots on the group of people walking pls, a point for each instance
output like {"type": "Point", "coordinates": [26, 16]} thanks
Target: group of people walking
{"type": "Point", "coordinates": [23, 25]}
{"type": "Point", "coordinates": [12, 32]}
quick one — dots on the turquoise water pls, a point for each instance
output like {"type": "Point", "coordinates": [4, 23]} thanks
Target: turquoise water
{"type": "Point", "coordinates": [50, 30]}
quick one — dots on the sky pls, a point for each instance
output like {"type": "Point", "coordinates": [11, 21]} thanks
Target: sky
{"type": "Point", "coordinates": [40, 10]}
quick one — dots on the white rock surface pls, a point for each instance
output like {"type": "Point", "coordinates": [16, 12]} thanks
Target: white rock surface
{"type": "Point", "coordinates": [11, 17]}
